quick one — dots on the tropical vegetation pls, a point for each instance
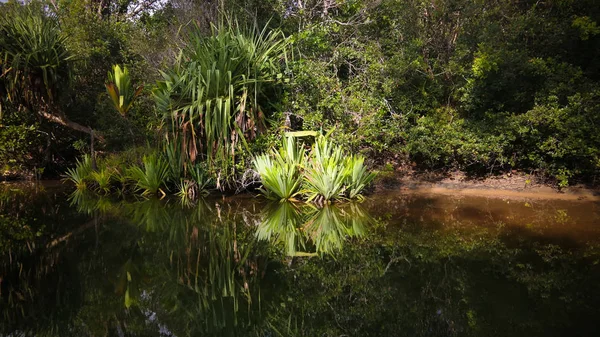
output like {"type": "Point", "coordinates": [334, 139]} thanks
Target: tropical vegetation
{"type": "Point", "coordinates": [484, 87]}
{"type": "Point", "coordinates": [323, 175]}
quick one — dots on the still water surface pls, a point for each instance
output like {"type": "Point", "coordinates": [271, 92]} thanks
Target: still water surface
{"type": "Point", "coordinates": [395, 265]}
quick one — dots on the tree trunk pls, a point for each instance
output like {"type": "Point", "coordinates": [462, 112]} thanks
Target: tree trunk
{"type": "Point", "coordinates": [70, 124]}
{"type": "Point", "coordinates": [93, 153]}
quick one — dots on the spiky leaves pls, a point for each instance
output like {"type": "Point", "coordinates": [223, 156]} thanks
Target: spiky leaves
{"type": "Point", "coordinates": [35, 65]}
{"type": "Point", "coordinates": [81, 173]}
{"type": "Point", "coordinates": [212, 97]}
{"type": "Point", "coordinates": [282, 223]}
{"type": "Point", "coordinates": [152, 176]}
{"type": "Point", "coordinates": [34, 61]}
{"type": "Point", "coordinates": [121, 90]}
{"type": "Point", "coordinates": [103, 178]}
{"type": "Point", "coordinates": [280, 172]}
{"type": "Point", "coordinates": [189, 190]}
{"type": "Point", "coordinates": [358, 177]}
{"type": "Point", "coordinates": [300, 229]}
{"type": "Point", "coordinates": [326, 174]}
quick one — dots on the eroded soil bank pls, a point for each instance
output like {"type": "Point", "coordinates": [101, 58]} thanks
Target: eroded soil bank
{"type": "Point", "coordinates": [509, 186]}
{"type": "Point", "coordinates": [517, 186]}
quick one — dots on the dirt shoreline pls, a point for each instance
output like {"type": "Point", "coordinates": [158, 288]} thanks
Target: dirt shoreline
{"type": "Point", "coordinates": [508, 186]}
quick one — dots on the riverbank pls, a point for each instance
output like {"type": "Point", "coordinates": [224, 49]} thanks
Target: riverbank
{"type": "Point", "coordinates": [511, 185]}
{"type": "Point", "coordinates": [508, 186]}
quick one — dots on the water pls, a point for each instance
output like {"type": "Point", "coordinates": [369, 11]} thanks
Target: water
{"type": "Point", "coordinates": [395, 265]}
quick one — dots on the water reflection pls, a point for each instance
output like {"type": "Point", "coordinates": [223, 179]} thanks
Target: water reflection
{"type": "Point", "coordinates": [305, 230]}
{"type": "Point", "coordinates": [205, 271]}
{"type": "Point", "coordinates": [408, 266]}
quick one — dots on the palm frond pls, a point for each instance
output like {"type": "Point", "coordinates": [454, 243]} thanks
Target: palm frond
{"type": "Point", "coordinates": [121, 90]}
{"type": "Point", "coordinates": [152, 176]}
{"type": "Point", "coordinates": [211, 98]}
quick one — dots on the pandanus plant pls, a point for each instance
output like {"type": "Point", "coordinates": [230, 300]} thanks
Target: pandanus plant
{"type": "Point", "coordinates": [120, 89]}
{"type": "Point", "coordinates": [35, 65]}
{"type": "Point", "coordinates": [34, 61]}
{"type": "Point", "coordinates": [324, 175]}
{"type": "Point", "coordinates": [212, 98]}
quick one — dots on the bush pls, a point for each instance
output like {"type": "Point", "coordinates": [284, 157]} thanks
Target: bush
{"type": "Point", "coordinates": [325, 174]}
{"type": "Point", "coordinates": [280, 171]}
{"type": "Point", "coordinates": [152, 176]}
{"type": "Point", "coordinates": [19, 145]}
{"type": "Point", "coordinates": [560, 140]}
{"type": "Point", "coordinates": [80, 175]}
{"type": "Point", "coordinates": [445, 140]}
{"type": "Point", "coordinates": [212, 101]}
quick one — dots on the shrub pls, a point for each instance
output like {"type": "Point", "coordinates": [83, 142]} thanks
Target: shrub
{"type": "Point", "coordinates": [326, 174]}
{"type": "Point", "coordinates": [152, 176]}
{"type": "Point", "coordinates": [280, 171]}
{"type": "Point", "coordinates": [80, 174]}
{"type": "Point", "coordinates": [198, 185]}
{"type": "Point", "coordinates": [212, 98]}
{"type": "Point", "coordinates": [102, 178]}
{"type": "Point", "coordinates": [358, 178]}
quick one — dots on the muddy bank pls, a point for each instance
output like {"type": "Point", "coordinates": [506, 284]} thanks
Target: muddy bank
{"type": "Point", "coordinates": [513, 186]}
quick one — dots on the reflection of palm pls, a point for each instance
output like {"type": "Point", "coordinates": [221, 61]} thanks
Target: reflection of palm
{"type": "Point", "coordinates": [324, 228]}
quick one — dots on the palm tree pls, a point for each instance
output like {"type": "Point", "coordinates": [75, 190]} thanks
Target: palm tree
{"type": "Point", "coordinates": [212, 97]}
{"type": "Point", "coordinates": [35, 65]}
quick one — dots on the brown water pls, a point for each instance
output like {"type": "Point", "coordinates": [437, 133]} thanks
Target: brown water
{"type": "Point", "coordinates": [399, 264]}
{"type": "Point", "coordinates": [575, 221]}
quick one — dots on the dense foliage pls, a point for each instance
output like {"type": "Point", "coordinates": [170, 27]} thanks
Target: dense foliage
{"type": "Point", "coordinates": [479, 86]}
{"type": "Point", "coordinates": [211, 98]}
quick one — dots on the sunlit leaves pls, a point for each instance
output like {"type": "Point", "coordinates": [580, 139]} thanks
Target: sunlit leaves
{"type": "Point", "coordinates": [120, 89]}
{"type": "Point", "coordinates": [212, 97]}
{"type": "Point", "coordinates": [325, 174]}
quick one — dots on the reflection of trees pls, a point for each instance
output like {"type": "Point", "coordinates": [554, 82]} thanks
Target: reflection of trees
{"type": "Point", "coordinates": [136, 268]}
{"type": "Point", "coordinates": [459, 282]}
{"type": "Point", "coordinates": [217, 269]}
{"type": "Point", "coordinates": [303, 228]}
{"type": "Point", "coordinates": [33, 263]}
{"type": "Point", "coordinates": [141, 267]}
{"type": "Point", "coordinates": [198, 269]}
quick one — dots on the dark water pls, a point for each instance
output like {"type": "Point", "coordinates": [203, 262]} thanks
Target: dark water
{"type": "Point", "coordinates": [395, 265]}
